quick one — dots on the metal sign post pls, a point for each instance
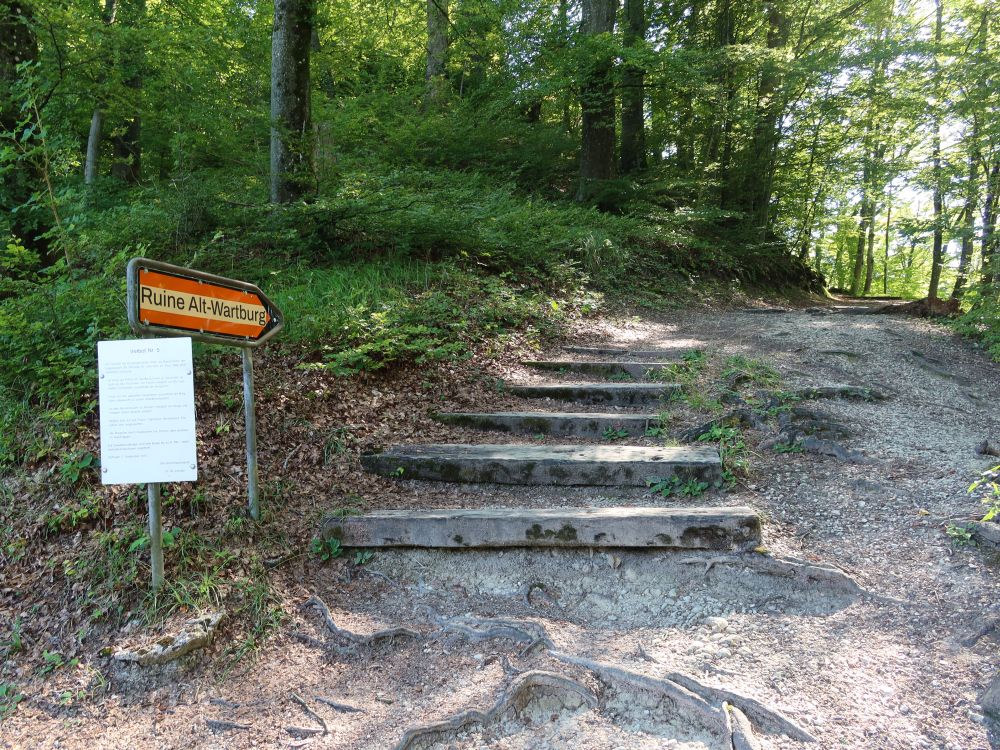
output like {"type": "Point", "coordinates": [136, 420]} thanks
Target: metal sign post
{"type": "Point", "coordinates": [155, 533]}
{"type": "Point", "coordinates": [168, 300]}
{"type": "Point", "coordinates": [250, 418]}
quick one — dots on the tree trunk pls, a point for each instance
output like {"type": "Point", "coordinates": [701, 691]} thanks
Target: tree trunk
{"type": "Point", "coordinates": [870, 261]}
{"type": "Point", "coordinates": [91, 164]}
{"type": "Point", "coordinates": [126, 148]}
{"type": "Point", "coordinates": [564, 43]}
{"type": "Point", "coordinates": [686, 139]}
{"type": "Point", "coordinates": [819, 249]}
{"type": "Point", "coordinates": [437, 50]}
{"type": "Point", "coordinates": [969, 212]}
{"type": "Point", "coordinates": [885, 260]}
{"type": "Point", "coordinates": [19, 45]}
{"type": "Point", "coordinates": [859, 255]}
{"type": "Point", "coordinates": [17, 185]}
{"type": "Point", "coordinates": [93, 147]}
{"type": "Point", "coordinates": [721, 147]}
{"type": "Point", "coordinates": [633, 156]}
{"type": "Point", "coordinates": [759, 164]}
{"type": "Point", "coordinates": [988, 243]}
{"type": "Point", "coordinates": [937, 256]}
{"type": "Point", "coordinates": [291, 153]}
{"type": "Point", "coordinates": [597, 102]}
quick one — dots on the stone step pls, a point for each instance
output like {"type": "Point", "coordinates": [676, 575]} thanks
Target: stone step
{"type": "Point", "coordinates": [637, 370]}
{"type": "Point", "coordinates": [611, 394]}
{"type": "Point", "coordinates": [564, 465]}
{"type": "Point", "coordinates": [674, 355]}
{"type": "Point", "coordinates": [678, 528]}
{"type": "Point", "coordinates": [580, 424]}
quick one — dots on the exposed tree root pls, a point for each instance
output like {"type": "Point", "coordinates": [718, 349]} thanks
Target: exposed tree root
{"type": "Point", "coordinates": [684, 699]}
{"type": "Point", "coordinates": [310, 713]}
{"type": "Point", "coordinates": [795, 438]}
{"type": "Point", "coordinates": [986, 448]}
{"type": "Point", "coordinates": [356, 638]}
{"type": "Point", "coordinates": [768, 719]}
{"type": "Point", "coordinates": [984, 627]}
{"type": "Point", "coordinates": [476, 629]}
{"type": "Point", "coordinates": [225, 726]}
{"type": "Point", "coordinates": [342, 707]}
{"type": "Point", "coordinates": [708, 703]}
{"type": "Point", "coordinates": [737, 417]}
{"type": "Point", "coordinates": [783, 568]}
{"type": "Point", "coordinates": [839, 391]}
{"type": "Point", "coordinates": [515, 697]}
{"type": "Point", "coordinates": [741, 730]}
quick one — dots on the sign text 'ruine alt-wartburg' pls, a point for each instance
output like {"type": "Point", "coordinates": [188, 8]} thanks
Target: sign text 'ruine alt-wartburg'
{"type": "Point", "coordinates": [165, 298]}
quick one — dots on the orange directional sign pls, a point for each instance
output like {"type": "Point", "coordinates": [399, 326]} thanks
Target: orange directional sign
{"type": "Point", "coordinates": [163, 298]}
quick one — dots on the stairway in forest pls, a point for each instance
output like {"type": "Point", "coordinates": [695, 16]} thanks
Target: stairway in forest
{"type": "Point", "coordinates": [633, 409]}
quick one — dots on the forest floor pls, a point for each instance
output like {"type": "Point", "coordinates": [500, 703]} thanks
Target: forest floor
{"type": "Point", "coordinates": [882, 666]}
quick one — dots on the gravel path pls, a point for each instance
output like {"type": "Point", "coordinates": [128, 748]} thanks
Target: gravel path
{"type": "Point", "coordinates": [883, 668]}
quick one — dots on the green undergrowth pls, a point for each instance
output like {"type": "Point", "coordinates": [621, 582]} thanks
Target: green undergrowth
{"type": "Point", "coordinates": [981, 319]}
{"type": "Point", "coordinates": [206, 569]}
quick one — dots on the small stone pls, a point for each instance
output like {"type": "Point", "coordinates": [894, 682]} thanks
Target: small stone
{"type": "Point", "coordinates": [717, 624]}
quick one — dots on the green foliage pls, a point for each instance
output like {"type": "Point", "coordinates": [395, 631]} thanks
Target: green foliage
{"type": "Point", "coordinates": [787, 448]}
{"type": "Point", "coordinates": [960, 535]}
{"type": "Point", "coordinates": [10, 697]}
{"type": "Point", "coordinates": [987, 488]}
{"type": "Point", "coordinates": [73, 464]}
{"type": "Point", "coordinates": [85, 506]}
{"type": "Point", "coordinates": [675, 485]}
{"type": "Point", "coordinates": [363, 556]}
{"type": "Point", "coordinates": [745, 369]}
{"type": "Point", "coordinates": [53, 660]}
{"type": "Point", "coordinates": [326, 548]}
{"type": "Point", "coordinates": [613, 433]}
{"type": "Point", "coordinates": [981, 321]}
{"type": "Point", "coordinates": [12, 644]}
{"type": "Point", "coordinates": [733, 451]}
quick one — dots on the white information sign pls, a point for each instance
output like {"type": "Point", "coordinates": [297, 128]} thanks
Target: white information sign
{"type": "Point", "coordinates": [147, 411]}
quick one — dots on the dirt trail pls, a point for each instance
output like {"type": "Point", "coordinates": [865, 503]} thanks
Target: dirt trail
{"type": "Point", "coordinates": [882, 669]}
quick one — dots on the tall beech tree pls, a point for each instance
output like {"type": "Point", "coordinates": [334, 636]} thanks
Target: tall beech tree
{"type": "Point", "coordinates": [126, 140]}
{"type": "Point", "coordinates": [437, 48]}
{"type": "Point", "coordinates": [597, 98]}
{"type": "Point", "coordinates": [291, 150]}
{"type": "Point", "coordinates": [633, 149]}
{"type": "Point", "coordinates": [92, 161]}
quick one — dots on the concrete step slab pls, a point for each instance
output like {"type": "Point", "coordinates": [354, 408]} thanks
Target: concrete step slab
{"type": "Point", "coordinates": [563, 465]}
{"type": "Point", "coordinates": [579, 424]}
{"type": "Point", "coordinates": [611, 394]}
{"type": "Point", "coordinates": [674, 355]}
{"type": "Point", "coordinates": [678, 528]}
{"type": "Point", "coordinates": [637, 370]}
